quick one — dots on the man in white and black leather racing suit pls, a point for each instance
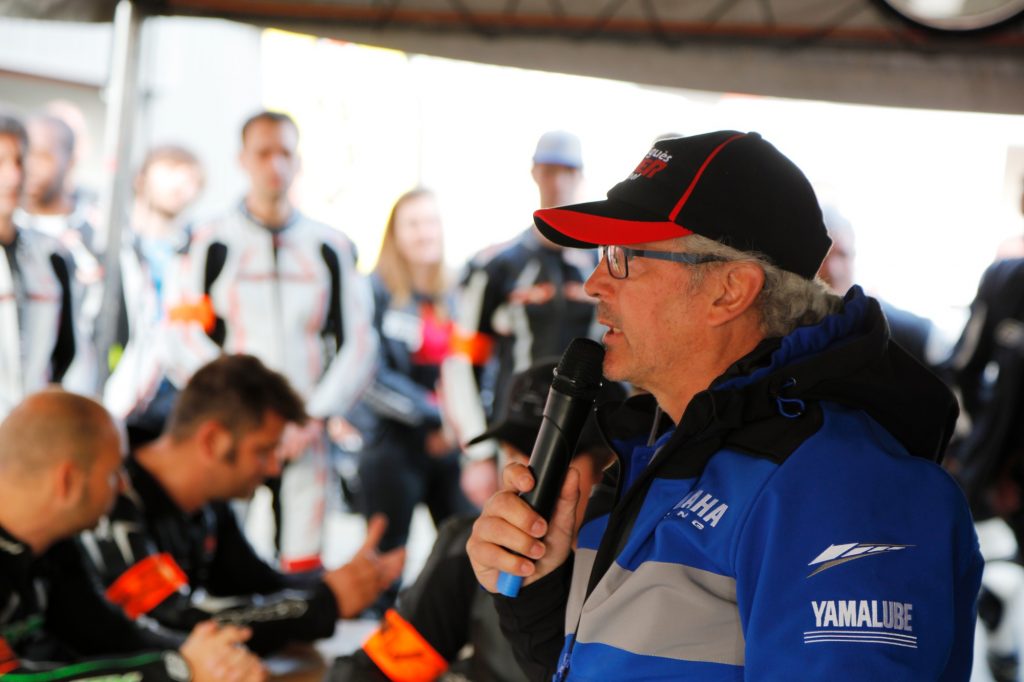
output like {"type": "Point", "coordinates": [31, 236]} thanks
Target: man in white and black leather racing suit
{"type": "Point", "coordinates": [38, 336]}
{"type": "Point", "coordinates": [266, 280]}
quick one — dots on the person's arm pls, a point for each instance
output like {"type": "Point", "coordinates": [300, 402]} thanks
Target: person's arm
{"type": "Point", "coordinates": [393, 394]}
{"type": "Point", "coordinates": [974, 349]}
{"type": "Point", "coordinates": [192, 331]}
{"type": "Point", "coordinates": [534, 622]}
{"type": "Point", "coordinates": [66, 344]}
{"type": "Point", "coordinates": [150, 665]}
{"type": "Point", "coordinates": [846, 574]}
{"type": "Point", "coordinates": [276, 608]}
{"type": "Point", "coordinates": [511, 537]}
{"type": "Point", "coordinates": [473, 347]}
{"type": "Point", "coordinates": [74, 590]}
{"type": "Point", "coordinates": [351, 305]}
{"type": "Point", "coordinates": [278, 612]}
{"type": "Point", "coordinates": [430, 624]}
{"type": "Point", "coordinates": [85, 636]}
{"type": "Point", "coordinates": [150, 585]}
{"type": "Point", "coordinates": [428, 628]}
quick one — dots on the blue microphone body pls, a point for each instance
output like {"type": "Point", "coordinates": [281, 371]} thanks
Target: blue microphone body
{"type": "Point", "coordinates": [577, 380]}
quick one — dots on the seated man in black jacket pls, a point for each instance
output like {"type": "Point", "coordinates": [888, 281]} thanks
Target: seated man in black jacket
{"type": "Point", "coordinates": [60, 469]}
{"type": "Point", "coordinates": [425, 636]}
{"type": "Point", "coordinates": [172, 552]}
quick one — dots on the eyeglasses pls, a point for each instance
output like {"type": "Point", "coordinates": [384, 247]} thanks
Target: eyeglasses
{"type": "Point", "coordinates": [618, 257]}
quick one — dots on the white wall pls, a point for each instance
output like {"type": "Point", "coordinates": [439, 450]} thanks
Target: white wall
{"type": "Point", "coordinates": [199, 79]}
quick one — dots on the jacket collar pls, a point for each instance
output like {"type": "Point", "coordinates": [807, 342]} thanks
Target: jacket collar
{"type": "Point", "coordinates": [848, 358]}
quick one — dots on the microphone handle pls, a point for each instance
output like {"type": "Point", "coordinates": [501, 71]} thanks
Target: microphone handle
{"type": "Point", "coordinates": [564, 417]}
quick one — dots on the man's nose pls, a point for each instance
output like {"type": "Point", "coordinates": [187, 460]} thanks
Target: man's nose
{"type": "Point", "coordinates": [597, 282]}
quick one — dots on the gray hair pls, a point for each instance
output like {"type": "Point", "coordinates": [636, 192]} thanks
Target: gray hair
{"type": "Point", "coordinates": [786, 301]}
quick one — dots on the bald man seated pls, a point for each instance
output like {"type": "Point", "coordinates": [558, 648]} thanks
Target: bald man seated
{"type": "Point", "coordinates": [60, 470]}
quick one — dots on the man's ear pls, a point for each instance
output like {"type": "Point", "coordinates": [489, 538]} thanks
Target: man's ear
{"type": "Point", "coordinates": [739, 284]}
{"type": "Point", "coordinates": [68, 482]}
{"type": "Point", "coordinates": [213, 439]}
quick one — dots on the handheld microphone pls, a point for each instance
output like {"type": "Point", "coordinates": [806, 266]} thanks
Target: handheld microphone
{"type": "Point", "coordinates": [576, 383]}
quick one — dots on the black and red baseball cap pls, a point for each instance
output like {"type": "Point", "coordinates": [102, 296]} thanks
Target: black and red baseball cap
{"type": "Point", "coordinates": [733, 187]}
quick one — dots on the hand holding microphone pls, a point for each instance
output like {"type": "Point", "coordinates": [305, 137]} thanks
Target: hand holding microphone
{"type": "Point", "coordinates": [508, 525]}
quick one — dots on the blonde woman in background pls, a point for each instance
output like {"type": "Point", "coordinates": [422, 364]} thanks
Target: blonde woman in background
{"type": "Point", "coordinates": [407, 457]}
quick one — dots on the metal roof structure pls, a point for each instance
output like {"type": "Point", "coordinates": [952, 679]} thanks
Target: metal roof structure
{"type": "Point", "coordinates": [838, 50]}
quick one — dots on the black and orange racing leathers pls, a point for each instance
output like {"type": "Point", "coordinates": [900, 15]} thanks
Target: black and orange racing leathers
{"type": "Point", "coordinates": [56, 626]}
{"type": "Point", "coordinates": [162, 564]}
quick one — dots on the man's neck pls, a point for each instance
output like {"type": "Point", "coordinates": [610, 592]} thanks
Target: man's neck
{"type": "Point", "coordinates": [7, 231]}
{"type": "Point", "coordinates": [168, 462]}
{"type": "Point", "coordinates": [60, 205]}
{"type": "Point", "coordinates": [676, 390]}
{"type": "Point", "coordinates": [147, 222]}
{"type": "Point", "coordinates": [25, 520]}
{"type": "Point", "coordinates": [274, 213]}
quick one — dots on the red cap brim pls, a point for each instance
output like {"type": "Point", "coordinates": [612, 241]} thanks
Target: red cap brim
{"type": "Point", "coordinates": [603, 222]}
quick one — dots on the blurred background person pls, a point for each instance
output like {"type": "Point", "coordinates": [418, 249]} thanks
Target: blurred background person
{"type": "Point", "coordinates": [1013, 247]}
{"type": "Point", "coordinates": [50, 199]}
{"type": "Point", "coordinates": [519, 302]}
{"type": "Point", "coordinates": [38, 337]}
{"type": "Point", "coordinates": [409, 457]}
{"type": "Point", "coordinates": [444, 626]}
{"type": "Point", "coordinates": [987, 458]}
{"type": "Point", "coordinates": [85, 198]}
{"type": "Point", "coordinates": [916, 334]}
{"type": "Point", "coordinates": [49, 206]}
{"type": "Point", "coordinates": [167, 184]}
{"type": "Point", "coordinates": [266, 280]}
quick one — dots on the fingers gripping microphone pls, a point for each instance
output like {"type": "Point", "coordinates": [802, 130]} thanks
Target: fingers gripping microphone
{"type": "Point", "coordinates": [570, 400]}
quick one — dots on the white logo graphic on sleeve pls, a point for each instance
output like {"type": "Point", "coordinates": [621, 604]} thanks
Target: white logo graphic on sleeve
{"type": "Point", "coordinates": [840, 554]}
{"type": "Point", "coordinates": [863, 621]}
{"type": "Point", "coordinates": [707, 509]}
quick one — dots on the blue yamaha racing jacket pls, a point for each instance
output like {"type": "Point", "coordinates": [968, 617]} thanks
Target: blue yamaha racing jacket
{"type": "Point", "coordinates": [794, 525]}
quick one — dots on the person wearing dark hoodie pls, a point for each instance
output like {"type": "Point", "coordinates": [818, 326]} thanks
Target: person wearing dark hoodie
{"type": "Point", "coordinates": [779, 511]}
{"type": "Point", "coordinates": [444, 625]}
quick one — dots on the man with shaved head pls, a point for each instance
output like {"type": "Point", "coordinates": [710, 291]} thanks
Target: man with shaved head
{"type": "Point", "coordinates": [60, 470]}
{"type": "Point", "coordinates": [63, 453]}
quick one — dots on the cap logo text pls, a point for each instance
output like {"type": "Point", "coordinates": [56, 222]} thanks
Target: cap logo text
{"type": "Point", "coordinates": [653, 163]}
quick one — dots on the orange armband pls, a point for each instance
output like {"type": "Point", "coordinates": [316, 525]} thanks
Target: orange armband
{"type": "Point", "coordinates": [401, 652]}
{"type": "Point", "coordinates": [8, 659]}
{"type": "Point", "coordinates": [473, 345]}
{"type": "Point", "coordinates": [143, 586]}
{"type": "Point", "coordinates": [201, 311]}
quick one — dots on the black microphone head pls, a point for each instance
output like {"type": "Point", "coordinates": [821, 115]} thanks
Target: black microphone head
{"type": "Point", "coordinates": [579, 371]}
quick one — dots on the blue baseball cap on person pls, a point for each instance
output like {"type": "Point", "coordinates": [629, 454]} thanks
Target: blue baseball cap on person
{"type": "Point", "coordinates": [559, 148]}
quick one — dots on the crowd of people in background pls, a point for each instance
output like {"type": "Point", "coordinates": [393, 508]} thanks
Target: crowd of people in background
{"type": "Point", "coordinates": [249, 350]}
